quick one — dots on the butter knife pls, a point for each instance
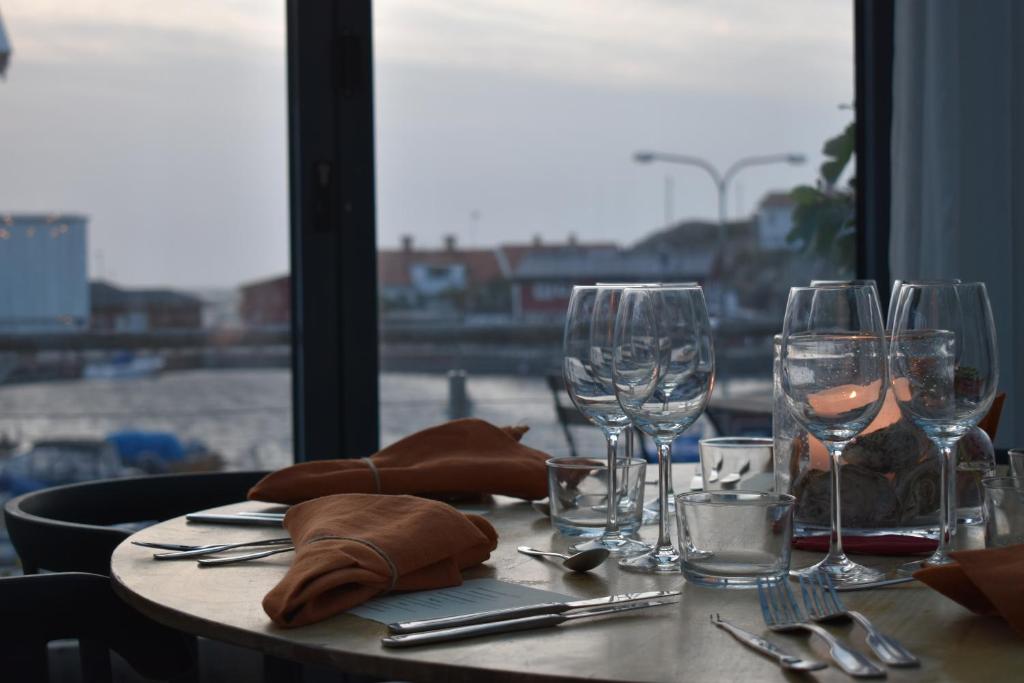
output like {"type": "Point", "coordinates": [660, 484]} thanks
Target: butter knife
{"type": "Point", "coordinates": [509, 625]}
{"type": "Point", "coordinates": [524, 611]}
{"type": "Point", "coordinates": [764, 646]}
{"type": "Point", "coordinates": [251, 519]}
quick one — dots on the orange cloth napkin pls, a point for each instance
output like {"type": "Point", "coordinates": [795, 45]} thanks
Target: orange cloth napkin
{"type": "Point", "coordinates": [457, 457]}
{"type": "Point", "coordinates": [352, 547]}
{"type": "Point", "coordinates": [989, 581]}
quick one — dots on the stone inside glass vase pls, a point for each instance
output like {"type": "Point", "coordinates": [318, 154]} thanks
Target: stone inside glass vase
{"type": "Point", "coordinates": [889, 477]}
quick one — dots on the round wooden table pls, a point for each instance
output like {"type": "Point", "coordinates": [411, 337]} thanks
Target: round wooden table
{"type": "Point", "coordinates": [675, 643]}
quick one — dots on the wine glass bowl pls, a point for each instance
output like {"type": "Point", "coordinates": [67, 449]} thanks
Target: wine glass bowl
{"type": "Point", "coordinates": [823, 382]}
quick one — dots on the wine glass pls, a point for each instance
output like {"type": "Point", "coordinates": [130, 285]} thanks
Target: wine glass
{"type": "Point", "coordinates": [586, 367]}
{"type": "Point", "coordinates": [945, 373]}
{"type": "Point", "coordinates": [650, 513]}
{"type": "Point", "coordinates": [894, 296]}
{"type": "Point", "coordinates": [664, 370]}
{"type": "Point", "coordinates": [834, 378]}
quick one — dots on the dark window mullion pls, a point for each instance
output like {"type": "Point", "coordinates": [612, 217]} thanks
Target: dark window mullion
{"type": "Point", "coordinates": [333, 232]}
{"type": "Point", "coordinates": [873, 52]}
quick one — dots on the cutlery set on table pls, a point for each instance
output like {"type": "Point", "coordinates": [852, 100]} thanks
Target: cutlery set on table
{"type": "Point", "coordinates": [781, 610]}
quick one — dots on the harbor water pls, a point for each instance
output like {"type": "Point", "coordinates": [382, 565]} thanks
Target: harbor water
{"type": "Point", "coordinates": [245, 414]}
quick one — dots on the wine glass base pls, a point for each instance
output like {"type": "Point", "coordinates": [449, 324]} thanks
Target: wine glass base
{"type": "Point", "coordinates": [616, 545]}
{"type": "Point", "coordinates": [843, 572]}
{"type": "Point", "coordinates": [652, 563]}
{"type": "Point", "coordinates": [910, 567]}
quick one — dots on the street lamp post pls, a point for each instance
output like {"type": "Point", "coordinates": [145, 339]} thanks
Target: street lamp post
{"type": "Point", "coordinates": [721, 181]}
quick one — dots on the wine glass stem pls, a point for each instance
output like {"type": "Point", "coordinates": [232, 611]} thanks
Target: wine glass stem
{"type": "Point", "coordinates": [664, 486]}
{"type": "Point", "coordinates": [835, 543]}
{"type": "Point", "coordinates": [947, 509]}
{"type": "Point", "coordinates": [611, 527]}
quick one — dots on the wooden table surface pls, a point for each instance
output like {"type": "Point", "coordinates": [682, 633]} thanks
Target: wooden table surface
{"type": "Point", "coordinates": [675, 643]}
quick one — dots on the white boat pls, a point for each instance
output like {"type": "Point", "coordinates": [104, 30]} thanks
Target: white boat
{"type": "Point", "coordinates": [124, 366]}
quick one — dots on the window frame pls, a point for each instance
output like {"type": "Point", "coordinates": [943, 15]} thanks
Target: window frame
{"type": "Point", "coordinates": [335, 394]}
{"type": "Point", "coordinates": [335, 335]}
{"type": "Point", "coordinates": [873, 54]}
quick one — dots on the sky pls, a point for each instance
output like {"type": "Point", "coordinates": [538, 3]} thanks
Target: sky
{"type": "Point", "coordinates": [497, 120]}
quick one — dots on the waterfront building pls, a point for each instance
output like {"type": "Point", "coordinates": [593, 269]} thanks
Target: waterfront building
{"type": "Point", "coordinates": [443, 282]}
{"type": "Point", "coordinates": [267, 303]}
{"type": "Point", "coordinates": [774, 220]}
{"type": "Point", "coordinates": [43, 273]}
{"type": "Point", "coordinates": [143, 310]}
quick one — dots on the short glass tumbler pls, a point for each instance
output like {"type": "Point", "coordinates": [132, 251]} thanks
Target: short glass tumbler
{"type": "Point", "coordinates": [1016, 456]}
{"type": "Point", "coordinates": [730, 539]}
{"type": "Point", "coordinates": [578, 494]}
{"type": "Point", "coordinates": [729, 463]}
{"type": "Point", "coordinates": [1003, 510]}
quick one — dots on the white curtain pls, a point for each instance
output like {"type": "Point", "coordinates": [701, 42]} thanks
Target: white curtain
{"type": "Point", "coordinates": [958, 163]}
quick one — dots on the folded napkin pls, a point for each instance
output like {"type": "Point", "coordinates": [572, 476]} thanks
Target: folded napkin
{"type": "Point", "coordinates": [457, 457]}
{"type": "Point", "coordinates": [989, 581]}
{"type": "Point", "coordinates": [352, 547]}
{"type": "Point", "coordinates": [887, 544]}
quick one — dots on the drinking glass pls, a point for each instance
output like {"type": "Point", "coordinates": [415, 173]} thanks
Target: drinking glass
{"type": "Point", "coordinates": [733, 539]}
{"type": "Point", "coordinates": [833, 380]}
{"type": "Point", "coordinates": [1016, 456]}
{"type": "Point", "coordinates": [1004, 511]}
{"type": "Point", "coordinates": [586, 367]}
{"type": "Point", "coordinates": [942, 358]}
{"type": "Point", "coordinates": [578, 493]}
{"type": "Point", "coordinates": [664, 369]}
{"type": "Point", "coordinates": [894, 296]}
{"type": "Point", "coordinates": [737, 462]}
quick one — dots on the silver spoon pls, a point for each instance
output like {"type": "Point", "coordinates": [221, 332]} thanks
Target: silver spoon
{"type": "Point", "coordinates": [542, 506]}
{"type": "Point", "coordinates": [578, 562]}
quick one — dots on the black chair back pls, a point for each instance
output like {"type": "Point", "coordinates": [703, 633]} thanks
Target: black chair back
{"type": "Point", "coordinates": [69, 528]}
{"type": "Point", "coordinates": [46, 607]}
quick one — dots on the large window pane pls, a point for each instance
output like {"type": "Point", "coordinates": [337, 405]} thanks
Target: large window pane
{"type": "Point", "coordinates": [524, 147]}
{"type": "Point", "coordinates": [143, 239]}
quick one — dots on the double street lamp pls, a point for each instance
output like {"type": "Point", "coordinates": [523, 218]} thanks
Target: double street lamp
{"type": "Point", "coordinates": [721, 181]}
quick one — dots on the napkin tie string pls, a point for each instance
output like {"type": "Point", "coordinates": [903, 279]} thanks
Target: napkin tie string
{"type": "Point", "coordinates": [372, 546]}
{"type": "Point", "coordinates": [375, 472]}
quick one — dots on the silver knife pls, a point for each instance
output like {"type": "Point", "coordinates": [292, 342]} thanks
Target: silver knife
{"type": "Point", "coordinates": [245, 520]}
{"type": "Point", "coordinates": [509, 625]}
{"type": "Point", "coordinates": [525, 611]}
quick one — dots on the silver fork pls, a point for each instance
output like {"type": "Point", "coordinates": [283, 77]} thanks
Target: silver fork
{"type": "Point", "coordinates": [782, 613]}
{"type": "Point", "coordinates": [212, 549]}
{"type": "Point", "coordinates": [823, 604]}
{"type": "Point", "coordinates": [233, 559]}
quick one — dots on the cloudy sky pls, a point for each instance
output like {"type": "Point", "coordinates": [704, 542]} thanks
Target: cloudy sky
{"type": "Point", "coordinates": [497, 120]}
